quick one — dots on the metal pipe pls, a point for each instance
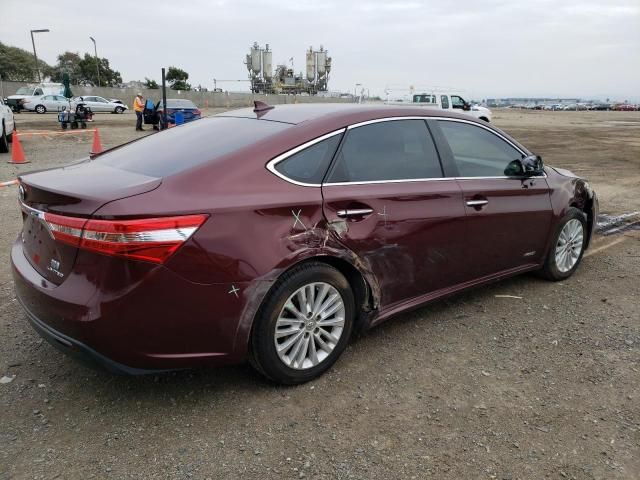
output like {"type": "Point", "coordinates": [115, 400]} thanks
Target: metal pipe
{"type": "Point", "coordinates": [95, 50]}
{"type": "Point", "coordinates": [35, 55]}
{"type": "Point", "coordinates": [164, 99]}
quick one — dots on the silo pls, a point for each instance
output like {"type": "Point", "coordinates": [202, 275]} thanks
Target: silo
{"type": "Point", "coordinates": [266, 63]}
{"type": "Point", "coordinates": [322, 61]}
{"type": "Point", "coordinates": [311, 65]}
{"type": "Point", "coordinates": [255, 58]}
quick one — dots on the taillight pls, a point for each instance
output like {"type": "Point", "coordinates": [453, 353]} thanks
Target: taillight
{"type": "Point", "coordinates": [150, 239]}
{"type": "Point", "coordinates": [196, 112]}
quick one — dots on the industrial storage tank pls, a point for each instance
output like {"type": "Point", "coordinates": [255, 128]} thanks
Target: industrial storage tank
{"type": "Point", "coordinates": [255, 58]}
{"type": "Point", "coordinates": [322, 61]}
{"type": "Point", "coordinates": [311, 65]}
{"type": "Point", "coordinates": [267, 63]}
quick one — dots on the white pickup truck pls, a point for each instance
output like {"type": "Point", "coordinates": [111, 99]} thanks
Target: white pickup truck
{"type": "Point", "coordinates": [446, 101]}
{"type": "Point", "coordinates": [7, 126]}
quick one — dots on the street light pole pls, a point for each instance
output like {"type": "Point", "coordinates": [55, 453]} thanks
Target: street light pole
{"type": "Point", "coordinates": [35, 56]}
{"type": "Point", "coordinates": [95, 50]}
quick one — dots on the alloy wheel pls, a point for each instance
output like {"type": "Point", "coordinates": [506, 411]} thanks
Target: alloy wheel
{"type": "Point", "coordinates": [569, 246]}
{"type": "Point", "coordinates": [309, 325]}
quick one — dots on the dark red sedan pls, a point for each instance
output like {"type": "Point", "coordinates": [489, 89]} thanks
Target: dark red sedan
{"type": "Point", "coordinates": [270, 234]}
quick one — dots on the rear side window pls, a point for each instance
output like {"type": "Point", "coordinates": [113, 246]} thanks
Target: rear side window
{"type": "Point", "coordinates": [179, 149]}
{"type": "Point", "coordinates": [311, 164]}
{"type": "Point", "coordinates": [476, 151]}
{"type": "Point", "coordinates": [392, 150]}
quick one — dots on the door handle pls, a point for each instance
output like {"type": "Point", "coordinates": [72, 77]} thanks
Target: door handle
{"type": "Point", "coordinates": [477, 203]}
{"type": "Point", "coordinates": [354, 212]}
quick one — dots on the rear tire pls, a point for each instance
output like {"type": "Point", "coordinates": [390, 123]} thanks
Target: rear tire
{"type": "Point", "coordinates": [567, 248]}
{"type": "Point", "coordinates": [313, 347]}
{"type": "Point", "coordinates": [41, 109]}
{"type": "Point", "coordinates": [4, 141]}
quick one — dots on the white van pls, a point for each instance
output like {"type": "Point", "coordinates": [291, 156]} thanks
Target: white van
{"type": "Point", "coordinates": [15, 101]}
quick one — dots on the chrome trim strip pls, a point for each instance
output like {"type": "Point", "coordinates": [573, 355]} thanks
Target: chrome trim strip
{"type": "Point", "coordinates": [477, 203]}
{"type": "Point", "coordinates": [407, 180]}
{"type": "Point", "coordinates": [31, 211]}
{"type": "Point", "coordinates": [354, 212]}
{"type": "Point", "coordinates": [387, 119]}
{"type": "Point", "coordinates": [403, 180]}
{"type": "Point", "coordinates": [272, 163]}
{"type": "Point", "coordinates": [39, 214]}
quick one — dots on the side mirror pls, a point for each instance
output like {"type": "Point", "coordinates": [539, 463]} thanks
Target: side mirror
{"type": "Point", "coordinates": [530, 166]}
{"type": "Point", "coordinates": [466, 107]}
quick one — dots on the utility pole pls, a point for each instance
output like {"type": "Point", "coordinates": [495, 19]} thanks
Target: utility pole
{"type": "Point", "coordinates": [35, 56]}
{"type": "Point", "coordinates": [95, 50]}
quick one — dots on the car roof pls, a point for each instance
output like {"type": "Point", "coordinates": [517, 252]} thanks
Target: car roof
{"type": "Point", "coordinates": [340, 113]}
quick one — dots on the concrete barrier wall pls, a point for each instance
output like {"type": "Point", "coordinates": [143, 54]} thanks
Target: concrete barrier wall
{"type": "Point", "coordinates": [202, 99]}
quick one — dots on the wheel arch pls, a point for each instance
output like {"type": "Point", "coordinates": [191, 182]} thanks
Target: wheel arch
{"type": "Point", "coordinates": [365, 296]}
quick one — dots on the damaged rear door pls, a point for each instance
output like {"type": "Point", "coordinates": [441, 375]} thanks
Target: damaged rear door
{"type": "Point", "coordinates": [398, 214]}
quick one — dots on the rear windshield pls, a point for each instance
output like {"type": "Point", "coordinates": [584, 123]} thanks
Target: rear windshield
{"type": "Point", "coordinates": [181, 148]}
{"type": "Point", "coordinates": [179, 104]}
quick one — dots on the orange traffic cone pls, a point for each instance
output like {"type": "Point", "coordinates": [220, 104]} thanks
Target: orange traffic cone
{"type": "Point", "coordinates": [17, 154]}
{"type": "Point", "coordinates": [97, 146]}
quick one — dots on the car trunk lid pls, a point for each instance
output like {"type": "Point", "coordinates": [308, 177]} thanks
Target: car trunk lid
{"type": "Point", "coordinates": [76, 191]}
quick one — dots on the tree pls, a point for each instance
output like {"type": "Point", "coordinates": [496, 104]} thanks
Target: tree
{"type": "Point", "coordinates": [150, 84]}
{"type": "Point", "coordinates": [177, 79]}
{"type": "Point", "coordinates": [18, 65]}
{"type": "Point", "coordinates": [68, 62]}
{"type": "Point", "coordinates": [108, 76]}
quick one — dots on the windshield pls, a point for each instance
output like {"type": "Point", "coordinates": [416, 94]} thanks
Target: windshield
{"type": "Point", "coordinates": [207, 140]}
{"type": "Point", "coordinates": [24, 91]}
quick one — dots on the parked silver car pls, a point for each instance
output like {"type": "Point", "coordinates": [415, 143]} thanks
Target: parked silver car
{"type": "Point", "coordinates": [101, 104]}
{"type": "Point", "coordinates": [45, 103]}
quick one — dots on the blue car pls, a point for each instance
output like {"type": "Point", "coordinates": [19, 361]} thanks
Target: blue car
{"type": "Point", "coordinates": [178, 111]}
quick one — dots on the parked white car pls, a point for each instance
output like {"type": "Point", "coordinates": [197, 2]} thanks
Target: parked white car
{"type": "Point", "coordinates": [16, 101]}
{"type": "Point", "coordinates": [45, 103]}
{"type": "Point", "coordinates": [8, 126]}
{"type": "Point", "coordinates": [101, 104]}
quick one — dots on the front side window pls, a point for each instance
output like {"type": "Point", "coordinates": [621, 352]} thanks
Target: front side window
{"type": "Point", "coordinates": [478, 152]}
{"type": "Point", "coordinates": [391, 150]}
{"type": "Point", "coordinates": [311, 164]}
{"type": "Point", "coordinates": [457, 102]}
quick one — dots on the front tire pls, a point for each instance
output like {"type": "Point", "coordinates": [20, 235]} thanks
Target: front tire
{"type": "Point", "coordinates": [119, 110]}
{"type": "Point", "coordinates": [303, 325]}
{"type": "Point", "coordinates": [567, 249]}
{"type": "Point", "coordinates": [41, 109]}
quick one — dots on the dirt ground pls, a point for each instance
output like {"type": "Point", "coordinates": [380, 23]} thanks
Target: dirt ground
{"type": "Point", "coordinates": [474, 387]}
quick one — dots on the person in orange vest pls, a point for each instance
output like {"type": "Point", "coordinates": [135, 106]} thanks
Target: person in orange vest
{"type": "Point", "coordinates": [138, 107]}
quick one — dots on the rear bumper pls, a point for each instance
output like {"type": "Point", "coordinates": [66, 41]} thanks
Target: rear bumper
{"type": "Point", "coordinates": [78, 350]}
{"type": "Point", "coordinates": [132, 317]}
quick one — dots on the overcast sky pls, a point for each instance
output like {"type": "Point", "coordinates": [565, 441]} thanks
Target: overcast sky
{"type": "Point", "coordinates": [486, 48]}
